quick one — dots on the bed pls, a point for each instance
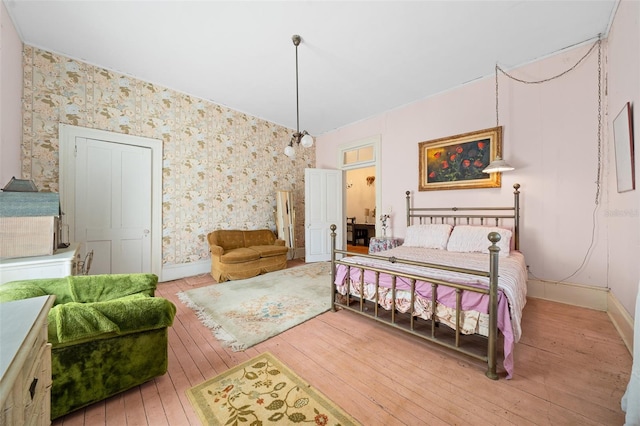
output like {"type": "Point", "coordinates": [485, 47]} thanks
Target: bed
{"type": "Point", "coordinates": [458, 280]}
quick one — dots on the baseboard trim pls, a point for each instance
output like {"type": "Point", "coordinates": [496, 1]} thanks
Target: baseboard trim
{"type": "Point", "coordinates": [621, 320]}
{"type": "Point", "coordinates": [571, 294]}
{"type": "Point", "coordinates": [175, 272]}
{"type": "Point", "coordinates": [597, 298]}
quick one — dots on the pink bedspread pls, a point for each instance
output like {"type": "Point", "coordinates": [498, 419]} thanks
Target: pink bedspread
{"type": "Point", "coordinates": [445, 295]}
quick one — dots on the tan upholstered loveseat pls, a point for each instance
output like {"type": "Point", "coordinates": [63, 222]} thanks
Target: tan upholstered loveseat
{"type": "Point", "coordinates": [236, 255]}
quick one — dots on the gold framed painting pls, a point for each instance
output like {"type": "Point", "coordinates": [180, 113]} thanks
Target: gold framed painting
{"type": "Point", "coordinates": [457, 162]}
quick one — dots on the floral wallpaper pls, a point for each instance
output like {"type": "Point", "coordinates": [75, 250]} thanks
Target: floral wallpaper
{"type": "Point", "coordinates": [221, 167]}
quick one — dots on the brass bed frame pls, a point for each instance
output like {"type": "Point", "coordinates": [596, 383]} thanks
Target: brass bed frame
{"type": "Point", "coordinates": [456, 215]}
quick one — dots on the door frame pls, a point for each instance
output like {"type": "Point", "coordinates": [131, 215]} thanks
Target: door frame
{"type": "Point", "coordinates": [67, 164]}
{"type": "Point", "coordinates": [375, 143]}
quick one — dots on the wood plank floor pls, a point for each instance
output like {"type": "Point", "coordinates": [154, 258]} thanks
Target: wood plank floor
{"type": "Point", "coordinates": [571, 369]}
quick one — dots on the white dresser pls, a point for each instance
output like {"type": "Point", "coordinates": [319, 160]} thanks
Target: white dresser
{"type": "Point", "coordinates": [25, 362]}
{"type": "Point", "coordinates": [61, 264]}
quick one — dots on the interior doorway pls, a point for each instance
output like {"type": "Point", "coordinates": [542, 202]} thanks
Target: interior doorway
{"type": "Point", "coordinates": [360, 163]}
{"type": "Point", "coordinates": [360, 205]}
{"type": "Point", "coordinates": [74, 156]}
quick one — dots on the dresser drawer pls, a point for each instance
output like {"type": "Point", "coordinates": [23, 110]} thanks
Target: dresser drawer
{"type": "Point", "coordinates": [11, 413]}
{"type": "Point", "coordinates": [21, 402]}
{"type": "Point", "coordinates": [25, 385]}
{"type": "Point", "coordinates": [37, 386]}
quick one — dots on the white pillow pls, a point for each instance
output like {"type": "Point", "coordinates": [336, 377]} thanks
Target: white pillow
{"type": "Point", "coordinates": [467, 238]}
{"type": "Point", "coordinates": [433, 236]}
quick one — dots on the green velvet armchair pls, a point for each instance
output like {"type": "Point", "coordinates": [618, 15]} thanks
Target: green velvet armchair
{"type": "Point", "coordinates": [108, 334]}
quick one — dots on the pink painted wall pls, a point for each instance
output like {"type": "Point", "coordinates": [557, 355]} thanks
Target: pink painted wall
{"type": "Point", "coordinates": [10, 98]}
{"type": "Point", "coordinates": [622, 219]}
{"type": "Point", "coordinates": [550, 136]}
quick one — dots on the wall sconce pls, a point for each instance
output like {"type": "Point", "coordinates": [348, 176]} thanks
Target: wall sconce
{"type": "Point", "coordinates": [370, 180]}
{"type": "Point", "coordinates": [349, 185]}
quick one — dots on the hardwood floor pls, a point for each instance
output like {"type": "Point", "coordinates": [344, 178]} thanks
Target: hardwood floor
{"type": "Point", "coordinates": [358, 249]}
{"type": "Point", "coordinates": [571, 369]}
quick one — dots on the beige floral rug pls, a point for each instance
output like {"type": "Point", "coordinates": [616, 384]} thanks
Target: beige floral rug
{"type": "Point", "coordinates": [263, 391]}
{"type": "Point", "coordinates": [243, 313]}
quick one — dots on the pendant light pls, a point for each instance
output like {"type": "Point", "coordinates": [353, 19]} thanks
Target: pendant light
{"type": "Point", "coordinates": [299, 138]}
{"type": "Point", "coordinates": [498, 164]}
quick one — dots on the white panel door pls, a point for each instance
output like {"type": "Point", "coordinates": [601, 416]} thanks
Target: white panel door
{"type": "Point", "coordinates": [323, 208]}
{"type": "Point", "coordinates": [113, 205]}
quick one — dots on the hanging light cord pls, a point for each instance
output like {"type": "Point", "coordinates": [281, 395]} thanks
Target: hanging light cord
{"type": "Point", "coordinates": [598, 44]}
{"type": "Point", "coordinates": [297, 101]}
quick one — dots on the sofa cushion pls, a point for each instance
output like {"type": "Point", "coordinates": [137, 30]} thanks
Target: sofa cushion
{"type": "Point", "coordinates": [19, 290]}
{"type": "Point", "coordinates": [73, 323]}
{"type": "Point", "coordinates": [239, 255]}
{"type": "Point", "coordinates": [259, 237]}
{"type": "Point", "coordinates": [25, 289]}
{"type": "Point", "coordinates": [269, 251]}
{"type": "Point", "coordinates": [83, 288]}
{"type": "Point", "coordinates": [102, 288]}
{"type": "Point", "coordinates": [228, 240]}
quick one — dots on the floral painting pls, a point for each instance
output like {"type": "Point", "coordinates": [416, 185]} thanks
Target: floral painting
{"type": "Point", "coordinates": [458, 162]}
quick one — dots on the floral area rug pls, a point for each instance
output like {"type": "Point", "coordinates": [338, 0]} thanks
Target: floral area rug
{"type": "Point", "coordinates": [246, 312]}
{"type": "Point", "coordinates": [263, 391]}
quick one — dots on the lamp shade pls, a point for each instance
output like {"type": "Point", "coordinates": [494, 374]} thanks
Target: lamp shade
{"type": "Point", "coordinates": [307, 140]}
{"type": "Point", "coordinates": [289, 151]}
{"type": "Point", "coordinates": [498, 165]}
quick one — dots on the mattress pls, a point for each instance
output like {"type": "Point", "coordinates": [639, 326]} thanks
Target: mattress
{"type": "Point", "coordinates": [512, 286]}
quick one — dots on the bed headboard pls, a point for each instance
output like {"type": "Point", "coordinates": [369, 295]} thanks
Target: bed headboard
{"type": "Point", "coordinates": [470, 215]}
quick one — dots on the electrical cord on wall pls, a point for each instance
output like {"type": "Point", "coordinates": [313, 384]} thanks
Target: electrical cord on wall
{"type": "Point", "coordinates": [599, 167]}
{"type": "Point", "coordinates": [584, 259]}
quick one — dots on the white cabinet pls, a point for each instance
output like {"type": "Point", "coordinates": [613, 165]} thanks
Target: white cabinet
{"type": "Point", "coordinates": [25, 362]}
{"type": "Point", "coordinates": [61, 264]}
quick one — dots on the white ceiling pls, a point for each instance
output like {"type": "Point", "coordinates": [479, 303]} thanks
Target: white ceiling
{"type": "Point", "coordinates": [357, 58]}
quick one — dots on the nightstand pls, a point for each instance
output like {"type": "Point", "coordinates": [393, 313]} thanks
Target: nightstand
{"type": "Point", "coordinates": [378, 244]}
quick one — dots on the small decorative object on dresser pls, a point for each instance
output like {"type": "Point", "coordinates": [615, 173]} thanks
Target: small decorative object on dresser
{"type": "Point", "coordinates": [29, 223]}
{"type": "Point", "coordinates": [385, 223]}
{"type": "Point", "coordinates": [25, 362]}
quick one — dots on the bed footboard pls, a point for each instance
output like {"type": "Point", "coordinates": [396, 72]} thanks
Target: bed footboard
{"type": "Point", "coordinates": [369, 307]}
